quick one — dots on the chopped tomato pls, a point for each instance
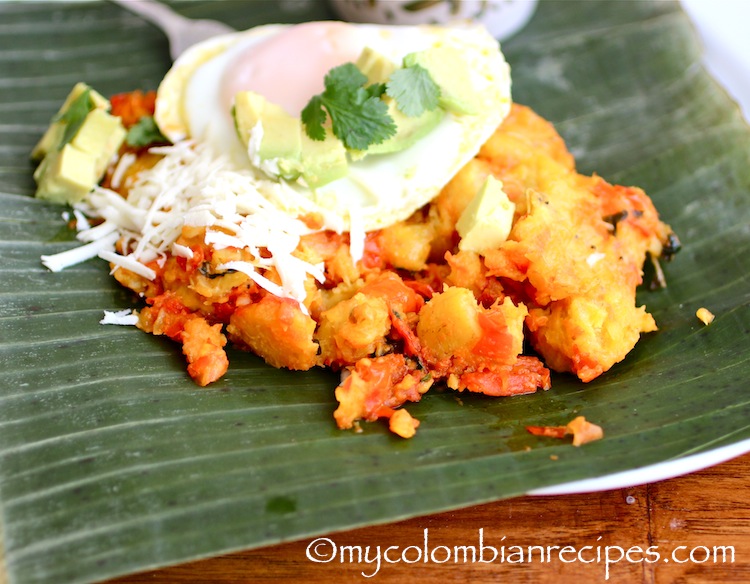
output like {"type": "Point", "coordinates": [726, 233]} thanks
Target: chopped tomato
{"type": "Point", "coordinates": [390, 287]}
{"type": "Point", "coordinates": [496, 342]}
{"type": "Point", "coordinates": [526, 375]}
{"type": "Point", "coordinates": [131, 107]}
{"type": "Point", "coordinates": [376, 387]}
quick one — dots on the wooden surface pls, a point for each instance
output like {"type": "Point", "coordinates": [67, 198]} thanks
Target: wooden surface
{"type": "Point", "coordinates": [701, 512]}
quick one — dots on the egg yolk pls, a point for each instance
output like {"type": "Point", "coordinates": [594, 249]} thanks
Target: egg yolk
{"type": "Point", "coordinates": [288, 68]}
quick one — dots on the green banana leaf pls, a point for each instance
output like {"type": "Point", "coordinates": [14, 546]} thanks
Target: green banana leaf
{"type": "Point", "coordinates": [112, 461]}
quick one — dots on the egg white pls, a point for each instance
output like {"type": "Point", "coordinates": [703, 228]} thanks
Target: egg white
{"type": "Point", "coordinates": [379, 190]}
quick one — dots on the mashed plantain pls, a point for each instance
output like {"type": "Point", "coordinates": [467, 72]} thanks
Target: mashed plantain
{"type": "Point", "coordinates": [413, 309]}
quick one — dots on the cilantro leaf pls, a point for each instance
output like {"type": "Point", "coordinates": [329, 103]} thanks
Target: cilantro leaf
{"type": "Point", "coordinates": [375, 90]}
{"type": "Point", "coordinates": [344, 78]}
{"type": "Point", "coordinates": [414, 90]}
{"type": "Point", "coordinates": [74, 116]}
{"type": "Point", "coordinates": [144, 132]}
{"type": "Point", "coordinates": [314, 116]}
{"type": "Point", "coordinates": [369, 124]}
{"type": "Point", "coordinates": [359, 117]}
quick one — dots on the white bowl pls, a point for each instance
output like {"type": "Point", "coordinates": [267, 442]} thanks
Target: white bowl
{"type": "Point", "coordinates": [502, 18]}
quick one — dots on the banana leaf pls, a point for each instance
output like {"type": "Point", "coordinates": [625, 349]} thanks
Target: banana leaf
{"type": "Point", "coordinates": [112, 461]}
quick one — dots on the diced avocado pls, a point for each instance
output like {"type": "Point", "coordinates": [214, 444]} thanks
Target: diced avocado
{"type": "Point", "coordinates": [67, 175]}
{"type": "Point", "coordinates": [379, 69]}
{"type": "Point", "coordinates": [487, 220]}
{"type": "Point", "coordinates": [278, 134]}
{"type": "Point", "coordinates": [50, 140]}
{"type": "Point", "coordinates": [408, 129]}
{"type": "Point", "coordinates": [450, 71]}
{"type": "Point", "coordinates": [323, 161]}
{"type": "Point", "coordinates": [97, 99]}
{"type": "Point", "coordinates": [375, 66]}
{"type": "Point", "coordinates": [41, 169]}
{"type": "Point", "coordinates": [100, 136]}
{"type": "Point", "coordinates": [247, 111]}
{"type": "Point", "coordinates": [52, 137]}
{"type": "Point", "coordinates": [275, 137]}
{"type": "Point", "coordinates": [77, 147]}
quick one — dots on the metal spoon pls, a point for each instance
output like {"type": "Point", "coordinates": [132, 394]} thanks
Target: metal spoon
{"type": "Point", "coordinates": [181, 31]}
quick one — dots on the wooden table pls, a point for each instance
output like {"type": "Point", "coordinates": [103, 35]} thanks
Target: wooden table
{"type": "Point", "coordinates": [705, 514]}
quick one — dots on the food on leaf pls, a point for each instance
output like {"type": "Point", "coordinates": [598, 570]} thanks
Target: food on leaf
{"type": "Point", "coordinates": [483, 262]}
{"type": "Point", "coordinates": [705, 315]}
{"type": "Point", "coordinates": [582, 430]}
{"type": "Point", "coordinates": [77, 147]}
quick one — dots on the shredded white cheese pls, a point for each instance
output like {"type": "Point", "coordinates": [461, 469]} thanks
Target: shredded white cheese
{"type": "Point", "coordinates": [193, 186]}
{"type": "Point", "coordinates": [121, 317]}
{"type": "Point", "coordinates": [71, 257]}
{"type": "Point", "coordinates": [98, 232]}
{"type": "Point", "coordinates": [249, 270]}
{"type": "Point", "coordinates": [81, 222]}
{"type": "Point", "coordinates": [128, 262]}
{"type": "Point", "coordinates": [182, 251]}
{"type": "Point", "coordinates": [125, 162]}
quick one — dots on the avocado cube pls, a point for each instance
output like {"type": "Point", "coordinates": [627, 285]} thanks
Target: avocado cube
{"type": "Point", "coordinates": [99, 101]}
{"type": "Point", "coordinates": [247, 111]}
{"type": "Point", "coordinates": [49, 141]}
{"type": "Point", "coordinates": [375, 66]}
{"type": "Point", "coordinates": [52, 137]}
{"type": "Point", "coordinates": [487, 220]}
{"type": "Point", "coordinates": [281, 138]}
{"type": "Point", "coordinates": [100, 136]}
{"type": "Point", "coordinates": [323, 161]}
{"type": "Point", "coordinates": [67, 176]}
{"type": "Point", "coordinates": [451, 72]}
{"type": "Point", "coordinates": [281, 133]}
{"type": "Point", "coordinates": [408, 129]}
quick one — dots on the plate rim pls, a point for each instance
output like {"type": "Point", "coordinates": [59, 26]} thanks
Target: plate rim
{"type": "Point", "coordinates": [648, 474]}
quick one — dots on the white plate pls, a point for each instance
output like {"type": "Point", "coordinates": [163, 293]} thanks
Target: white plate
{"type": "Point", "coordinates": [651, 473]}
{"type": "Point", "coordinates": [722, 26]}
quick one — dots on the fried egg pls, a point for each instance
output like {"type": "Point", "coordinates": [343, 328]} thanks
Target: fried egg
{"type": "Point", "coordinates": [287, 64]}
